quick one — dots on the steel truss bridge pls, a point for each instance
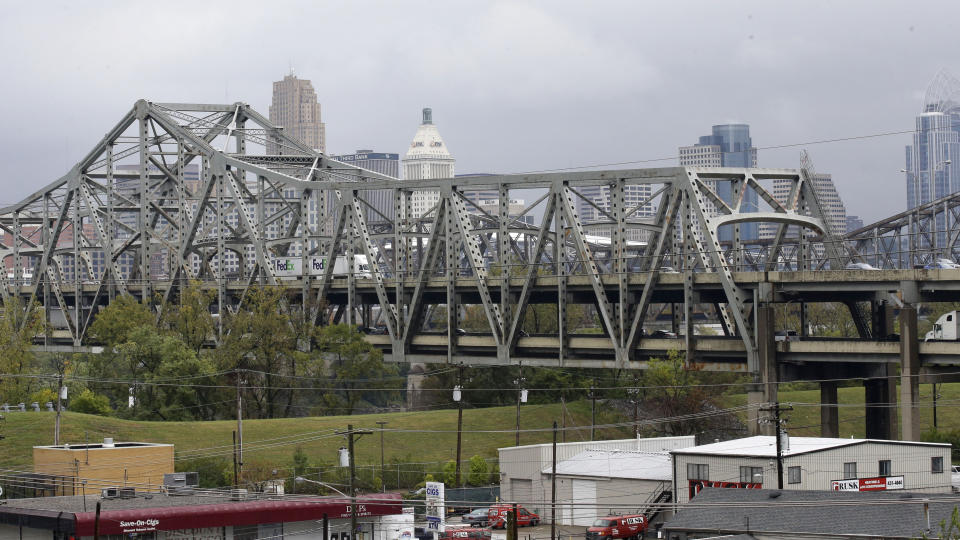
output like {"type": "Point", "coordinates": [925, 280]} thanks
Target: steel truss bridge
{"type": "Point", "coordinates": [218, 194]}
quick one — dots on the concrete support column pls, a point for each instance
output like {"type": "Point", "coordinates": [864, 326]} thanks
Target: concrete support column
{"type": "Point", "coordinates": [909, 374]}
{"type": "Point", "coordinates": [829, 414]}
{"type": "Point", "coordinates": [881, 400]}
{"type": "Point", "coordinates": [767, 356]}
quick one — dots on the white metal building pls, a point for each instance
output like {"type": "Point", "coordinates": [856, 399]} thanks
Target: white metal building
{"type": "Point", "coordinates": [813, 463]}
{"type": "Point", "coordinates": [597, 483]}
{"type": "Point", "coordinates": [521, 477]}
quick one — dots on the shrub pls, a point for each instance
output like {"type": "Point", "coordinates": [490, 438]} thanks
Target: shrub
{"type": "Point", "coordinates": [90, 402]}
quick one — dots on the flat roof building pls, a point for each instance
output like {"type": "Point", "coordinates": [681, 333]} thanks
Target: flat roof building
{"type": "Point", "coordinates": [208, 515]}
{"type": "Point", "coordinates": [812, 463]}
{"type": "Point", "coordinates": [598, 483]}
{"type": "Point", "coordinates": [782, 515]}
{"type": "Point", "coordinates": [72, 469]}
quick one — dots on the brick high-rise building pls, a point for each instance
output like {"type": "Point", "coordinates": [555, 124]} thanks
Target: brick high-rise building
{"type": "Point", "coordinates": [295, 107]}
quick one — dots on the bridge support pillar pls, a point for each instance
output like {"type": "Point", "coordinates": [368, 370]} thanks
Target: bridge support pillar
{"type": "Point", "coordinates": [881, 399]}
{"type": "Point", "coordinates": [909, 374]}
{"type": "Point", "coordinates": [766, 391]}
{"type": "Point", "coordinates": [829, 414]}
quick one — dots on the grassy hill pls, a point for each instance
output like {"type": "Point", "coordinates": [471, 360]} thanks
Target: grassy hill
{"type": "Point", "coordinates": [432, 436]}
{"type": "Point", "coordinates": [804, 420]}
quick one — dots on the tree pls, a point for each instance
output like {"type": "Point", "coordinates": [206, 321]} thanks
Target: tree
{"type": "Point", "coordinates": [479, 472]}
{"type": "Point", "coordinates": [190, 319]}
{"type": "Point", "coordinates": [18, 327]}
{"type": "Point", "coordinates": [449, 473]}
{"type": "Point", "coordinates": [357, 366]}
{"type": "Point", "coordinates": [260, 341]}
{"type": "Point", "coordinates": [676, 389]}
{"type": "Point", "coordinates": [115, 322]}
{"type": "Point", "coordinates": [90, 402]}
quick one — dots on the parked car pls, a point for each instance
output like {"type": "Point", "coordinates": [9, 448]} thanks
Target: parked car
{"type": "Point", "coordinates": [497, 516]}
{"type": "Point", "coordinates": [860, 266]}
{"type": "Point", "coordinates": [476, 518]}
{"type": "Point", "coordinates": [611, 527]}
{"type": "Point", "coordinates": [955, 478]}
{"type": "Point", "coordinates": [663, 334]}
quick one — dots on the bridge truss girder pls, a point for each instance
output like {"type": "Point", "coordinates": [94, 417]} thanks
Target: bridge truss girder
{"type": "Point", "coordinates": [216, 193]}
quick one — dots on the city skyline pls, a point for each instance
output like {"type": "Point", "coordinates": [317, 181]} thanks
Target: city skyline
{"type": "Point", "coordinates": [548, 85]}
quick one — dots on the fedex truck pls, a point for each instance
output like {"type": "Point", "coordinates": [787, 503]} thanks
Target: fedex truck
{"type": "Point", "coordinates": [292, 267]}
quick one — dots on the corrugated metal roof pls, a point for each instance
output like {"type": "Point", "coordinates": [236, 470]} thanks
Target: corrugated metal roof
{"type": "Point", "coordinates": [766, 446]}
{"type": "Point", "coordinates": [617, 464]}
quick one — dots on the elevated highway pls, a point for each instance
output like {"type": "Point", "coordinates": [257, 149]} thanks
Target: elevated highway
{"type": "Point", "coordinates": [216, 193]}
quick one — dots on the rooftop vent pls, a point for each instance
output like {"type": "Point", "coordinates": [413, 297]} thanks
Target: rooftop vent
{"type": "Point", "coordinates": [108, 442]}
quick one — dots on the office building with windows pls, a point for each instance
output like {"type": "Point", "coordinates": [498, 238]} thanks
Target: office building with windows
{"type": "Point", "coordinates": [931, 170]}
{"type": "Point", "coordinates": [728, 145]}
{"type": "Point", "coordinates": [380, 200]}
{"type": "Point", "coordinates": [812, 463]}
{"type": "Point", "coordinates": [295, 107]}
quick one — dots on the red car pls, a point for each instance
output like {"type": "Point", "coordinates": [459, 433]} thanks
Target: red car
{"type": "Point", "coordinates": [497, 516]}
{"type": "Point", "coordinates": [611, 527]}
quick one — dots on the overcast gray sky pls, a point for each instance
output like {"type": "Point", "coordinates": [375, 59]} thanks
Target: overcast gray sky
{"type": "Point", "coordinates": [514, 86]}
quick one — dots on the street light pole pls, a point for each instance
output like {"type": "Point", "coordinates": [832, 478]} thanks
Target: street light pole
{"type": "Point", "coordinates": [383, 471]}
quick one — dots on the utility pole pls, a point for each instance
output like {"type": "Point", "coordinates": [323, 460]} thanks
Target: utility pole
{"type": "Point", "coordinates": [239, 431]}
{"type": "Point", "coordinates": [563, 417]}
{"type": "Point", "coordinates": [593, 410]}
{"type": "Point", "coordinates": [383, 470]}
{"type": "Point", "coordinates": [352, 485]}
{"type": "Point", "coordinates": [236, 479]}
{"type": "Point", "coordinates": [458, 397]}
{"type": "Point", "coordinates": [520, 396]}
{"type": "Point", "coordinates": [56, 429]}
{"type": "Point", "coordinates": [776, 409]}
{"type": "Point", "coordinates": [553, 487]}
{"type": "Point", "coordinates": [935, 396]}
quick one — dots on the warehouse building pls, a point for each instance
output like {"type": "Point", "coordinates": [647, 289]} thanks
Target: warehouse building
{"type": "Point", "coordinates": [813, 463]}
{"type": "Point", "coordinates": [762, 514]}
{"type": "Point", "coordinates": [598, 483]}
{"type": "Point", "coordinates": [521, 467]}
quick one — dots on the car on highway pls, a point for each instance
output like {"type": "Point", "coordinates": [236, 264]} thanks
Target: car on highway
{"type": "Point", "coordinates": [942, 264]}
{"type": "Point", "coordinates": [860, 266]}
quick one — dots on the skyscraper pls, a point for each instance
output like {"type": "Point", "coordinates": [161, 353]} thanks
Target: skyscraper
{"type": "Point", "coordinates": [728, 145]}
{"type": "Point", "coordinates": [386, 164]}
{"type": "Point", "coordinates": [427, 157]}
{"type": "Point", "coordinates": [295, 107]}
{"type": "Point", "coordinates": [830, 203]}
{"type": "Point", "coordinates": [932, 160]}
